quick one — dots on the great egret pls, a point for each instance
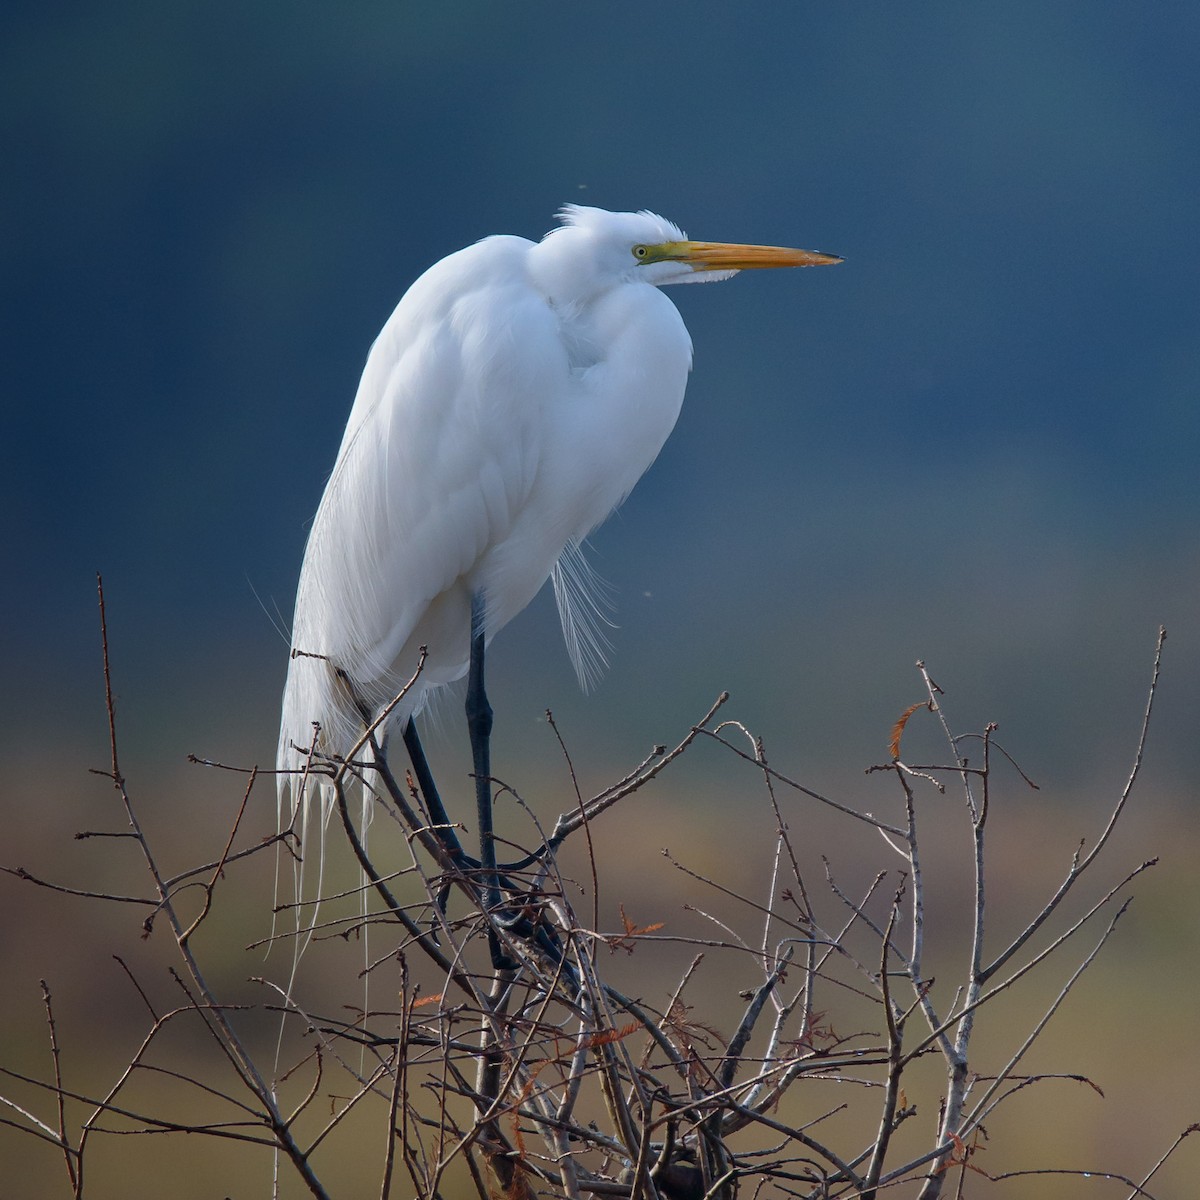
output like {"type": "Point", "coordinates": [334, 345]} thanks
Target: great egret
{"type": "Point", "coordinates": [511, 402]}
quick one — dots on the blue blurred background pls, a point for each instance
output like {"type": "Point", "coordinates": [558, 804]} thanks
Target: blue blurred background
{"type": "Point", "coordinates": [973, 443]}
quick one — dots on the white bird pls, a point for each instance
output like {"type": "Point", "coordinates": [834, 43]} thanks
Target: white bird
{"type": "Point", "coordinates": [515, 396]}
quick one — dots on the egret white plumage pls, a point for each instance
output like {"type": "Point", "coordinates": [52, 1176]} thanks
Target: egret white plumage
{"type": "Point", "coordinates": [512, 400]}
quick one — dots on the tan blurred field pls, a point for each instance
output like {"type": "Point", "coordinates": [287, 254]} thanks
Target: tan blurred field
{"type": "Point", "coordinates": [1127, 1027]}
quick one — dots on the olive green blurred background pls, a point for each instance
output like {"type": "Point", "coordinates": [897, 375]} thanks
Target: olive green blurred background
{"type": "Point", "coordinates": [974, 443]}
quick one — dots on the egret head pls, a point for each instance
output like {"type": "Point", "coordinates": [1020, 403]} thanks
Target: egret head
{"type": "Point", "coordinates": [595, 249]}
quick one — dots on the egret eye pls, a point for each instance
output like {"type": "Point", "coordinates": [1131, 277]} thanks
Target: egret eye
{"type": "Point", "coordinates": [641, 252]}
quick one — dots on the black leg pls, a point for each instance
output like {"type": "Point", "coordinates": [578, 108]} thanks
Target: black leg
{"type": "Point", "coordinates": [479, 726]}
{"type": "Point", "coordinates": [433, 803]}
{"type": "Point", "coordinates": [433, 800]}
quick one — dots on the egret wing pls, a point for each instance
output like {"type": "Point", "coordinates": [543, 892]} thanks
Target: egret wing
{"type": "Point", "coordinates": [439, 456]}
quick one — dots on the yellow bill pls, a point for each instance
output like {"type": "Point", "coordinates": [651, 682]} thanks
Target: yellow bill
{"type": "Point", "coordinates": [729, 256]}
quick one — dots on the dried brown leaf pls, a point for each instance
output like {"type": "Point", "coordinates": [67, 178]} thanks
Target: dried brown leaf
{"type": "Point", "coordinates": [898, 728]}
